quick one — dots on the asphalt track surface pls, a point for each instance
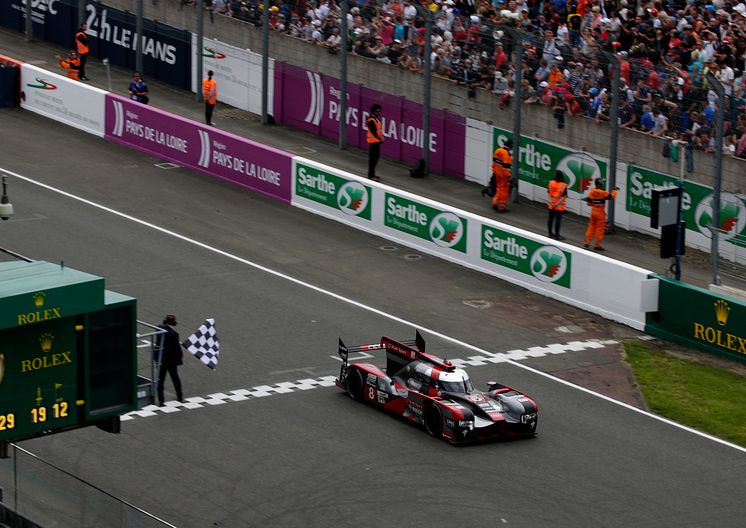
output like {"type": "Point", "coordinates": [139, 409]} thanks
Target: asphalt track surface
{"type": "Point", "coordinates": [314, 457]}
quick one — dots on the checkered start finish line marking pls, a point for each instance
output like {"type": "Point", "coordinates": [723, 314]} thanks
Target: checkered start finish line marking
{"type": "Point", "coordinates": [286, 387]}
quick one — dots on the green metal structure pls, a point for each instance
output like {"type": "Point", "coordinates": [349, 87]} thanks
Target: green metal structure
{"type": "Point", "coordinates": [67, 351]}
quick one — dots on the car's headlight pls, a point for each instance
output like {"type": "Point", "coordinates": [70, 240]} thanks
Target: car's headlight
{"type": "Point", "coordinates": [528, 417]}
{"type": "Point", "coordinates": [468, 424]}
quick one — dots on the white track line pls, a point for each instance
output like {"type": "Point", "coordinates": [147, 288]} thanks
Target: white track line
{"type": "Point", "coordinates": [364, 306]}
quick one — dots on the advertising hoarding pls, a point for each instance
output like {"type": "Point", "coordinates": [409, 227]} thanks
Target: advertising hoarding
{"type": "Point", "coordinates": [62, 99]}
{"type": "Point", "coordinates": [238, 73]}
{"type": "Point", "coordinates": [207, 149]}
{"type": "Point", "coordinates": [310, 101]}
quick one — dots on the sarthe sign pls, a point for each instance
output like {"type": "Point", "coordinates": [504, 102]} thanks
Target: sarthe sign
{"type": "Point", "coordinates": [696, 317]}
{"type": "Point", "coordinates": [697, 205]}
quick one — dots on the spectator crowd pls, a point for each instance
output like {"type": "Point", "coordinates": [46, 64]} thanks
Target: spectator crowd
{"type": "Point", "coordinates": [665, 49]}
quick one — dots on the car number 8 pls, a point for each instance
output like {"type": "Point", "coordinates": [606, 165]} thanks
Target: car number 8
{"type": "Point", "coordinates": [371, 393]}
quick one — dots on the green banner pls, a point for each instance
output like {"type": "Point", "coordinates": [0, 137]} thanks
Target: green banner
{"type": "Point", "coordinates": [349, 196]}
{"type": "Point", "coordinates": [697, 317]}
{"type": "Point", "coordinates": [697, 203]}
{"type": "Point", "coordinates": [443, 228]}
{"type": "Point", "coordinates": [539, 161]}
{"type": "Point", "coordinates": [546, 263]}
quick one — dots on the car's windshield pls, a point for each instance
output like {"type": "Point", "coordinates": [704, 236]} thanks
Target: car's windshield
{"type": "Point", "coordinates": [461, 387]}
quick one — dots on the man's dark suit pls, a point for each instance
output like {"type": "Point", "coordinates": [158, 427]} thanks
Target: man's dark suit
{"type": "Point", "coordinates": [171, 358]}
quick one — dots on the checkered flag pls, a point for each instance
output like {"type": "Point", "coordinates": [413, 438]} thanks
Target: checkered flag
{"type": "Point", "coordinates": [204, 344]}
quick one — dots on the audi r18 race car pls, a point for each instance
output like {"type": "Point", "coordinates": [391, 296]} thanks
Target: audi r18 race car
{"type": "Point", "coordinates": [431, 391]}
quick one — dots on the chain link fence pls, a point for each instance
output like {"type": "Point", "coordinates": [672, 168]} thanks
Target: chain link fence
{"type": "Point", "coordinates": [41, 493]}
{"type": "Point", "coordinates": [663, 90]}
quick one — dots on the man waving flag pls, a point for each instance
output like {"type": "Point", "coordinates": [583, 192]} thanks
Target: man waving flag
{"type": "Point", "coordinates": [204, 344]}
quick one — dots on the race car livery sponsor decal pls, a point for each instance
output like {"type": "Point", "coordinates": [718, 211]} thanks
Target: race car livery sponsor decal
{"type": "Point", "coordinates": [545, 262]}
{"type": "Point", "coordinates": [443, 228]}
{"type": "Point", "coordinates": [332, 190]}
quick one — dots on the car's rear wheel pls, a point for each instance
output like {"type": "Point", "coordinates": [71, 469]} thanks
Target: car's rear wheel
{"type": "Point", "coordinates": [434, 421]}
{"type": "Point", "coordinates": [355, 384]}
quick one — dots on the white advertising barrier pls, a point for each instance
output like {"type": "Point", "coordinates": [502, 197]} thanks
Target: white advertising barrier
{"type": "Point", "coordinates": [238, 73]}
{"type": "Point", "coordinates": [612, 289]}
{"type": "Point", "coordinates": [56, 97]}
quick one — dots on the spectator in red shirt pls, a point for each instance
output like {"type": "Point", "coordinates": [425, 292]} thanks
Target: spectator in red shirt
{"type": "Point", "coordinates": [500, 56]}
{"type": "Point", "coordinates": [653, 81]}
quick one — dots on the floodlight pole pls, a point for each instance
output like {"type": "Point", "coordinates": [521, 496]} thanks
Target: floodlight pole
{"type": "Point", "coordinates": [614, 118]}
{"type": "Point", "coordinates": [517, 39]}
{"type": "Point", "coordinates": [715, 225]}
{"type": "Point", "coordinates": [343, 76]}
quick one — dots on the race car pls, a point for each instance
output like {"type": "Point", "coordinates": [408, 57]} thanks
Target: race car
{"type": "Point", "coordinates": [432, 392]}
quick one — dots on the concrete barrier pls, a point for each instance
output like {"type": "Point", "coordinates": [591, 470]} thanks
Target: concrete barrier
{"type": "Point", "coordinates": [241, 161]}
{"type": "Point", "coordinates": [610, 288]}
{"type": "Point", "coordinates": [7, 61]}
{"type": "Point", "coordinates": [62, 99]}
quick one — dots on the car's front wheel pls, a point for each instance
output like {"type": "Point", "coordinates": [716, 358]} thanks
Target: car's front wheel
{"type": "Point", "coordinates": [531, 428]}
{"type": "Point", "coordinates": [355, 384]}
{"type": "Point", "coordinates": [433, 422]}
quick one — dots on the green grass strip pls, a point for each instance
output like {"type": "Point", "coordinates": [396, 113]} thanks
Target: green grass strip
{"type": "Point", "coordinates": [706, 398]}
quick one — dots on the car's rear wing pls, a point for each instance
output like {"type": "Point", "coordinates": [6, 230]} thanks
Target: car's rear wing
{"type": "Point", "coordinates": [410, 349]}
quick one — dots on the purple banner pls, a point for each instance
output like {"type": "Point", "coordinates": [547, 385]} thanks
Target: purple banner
{"type": "Point", "coordinates": [310, 101]}
{"type": "Point", "coordinates": [190, 144]}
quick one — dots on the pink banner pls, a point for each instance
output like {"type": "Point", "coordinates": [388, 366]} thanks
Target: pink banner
{"type": "Point", "coordinates": [310, 101]}
{"type": "Point", "coordinates": [227, 156]}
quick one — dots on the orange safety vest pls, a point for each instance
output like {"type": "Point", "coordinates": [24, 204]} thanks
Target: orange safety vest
{"type": "Point", "coordinates": [374, 138]}
{"type": "Point", "coordinates": [597, 198]}
{"type": "Point", "coordinates": [210, 91]}
{"type": "Point", "coordinates": [81, 41]}
{"type": "Point", "coordinates": [71, 66]}
{"type": "Point", "coordinates": [501, 162]}
{"type": "Point", "coordinates": [557, 195]}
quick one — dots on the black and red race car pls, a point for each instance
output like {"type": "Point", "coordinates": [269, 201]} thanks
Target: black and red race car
{"type": "Point", "coordinates": [432, 392]}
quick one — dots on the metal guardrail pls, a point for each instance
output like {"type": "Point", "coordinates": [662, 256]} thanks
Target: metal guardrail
{"type": "Point", "coordinates": [146, 387]}
{"type": "Point", "coordinates": [733, 273]}
{"type": "Point", "coordinates": [38, 493]}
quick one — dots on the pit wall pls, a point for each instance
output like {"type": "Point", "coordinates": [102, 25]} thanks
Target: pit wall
{"type": "Point", "coordinates": [544, 266]}
{"type": "Point", "coordinates": [8, 62]}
